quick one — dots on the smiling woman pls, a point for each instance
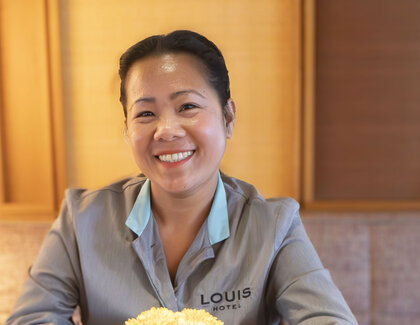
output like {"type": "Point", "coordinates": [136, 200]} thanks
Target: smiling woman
{"type": "Point", "coordinates": [174, 113]}
{"type": "Point", "coordinates": [177, 132]}
{"type": "Point", "coordinates": [182, 234]}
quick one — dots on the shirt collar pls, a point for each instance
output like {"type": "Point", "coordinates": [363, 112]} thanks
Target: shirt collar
{"type": "Point", "coordinates": [217, 221]}
{"type": "Point", "coordinates": [140, 213]}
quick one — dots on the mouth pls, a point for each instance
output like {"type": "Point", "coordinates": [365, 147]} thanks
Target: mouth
{"type": "Point", "coordinates": [175, 157]}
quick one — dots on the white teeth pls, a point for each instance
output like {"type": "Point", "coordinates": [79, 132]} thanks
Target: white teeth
{"type": "Point", "coordinates": [175, 157]}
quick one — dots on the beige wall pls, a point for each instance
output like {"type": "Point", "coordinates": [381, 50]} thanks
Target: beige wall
{"type": "Point", "coordinates": [260, 41]}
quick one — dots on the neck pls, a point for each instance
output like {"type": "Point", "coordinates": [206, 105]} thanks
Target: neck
{"type": "Point", "coordinates": [183, 210]}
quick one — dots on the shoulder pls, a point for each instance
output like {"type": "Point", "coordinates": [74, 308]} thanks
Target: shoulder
{"type": "Point", "coordinates": [275, 216]}
{"type": "Point", "coordinates": [239, 190]}
{"type": "Point", "coordinates": [118, 196]}
{"type": "Point", "coordinates": [114, 189]}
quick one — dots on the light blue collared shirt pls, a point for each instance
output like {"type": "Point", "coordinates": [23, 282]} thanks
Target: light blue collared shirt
{"type": "Point", "coordinates": [217, 221]}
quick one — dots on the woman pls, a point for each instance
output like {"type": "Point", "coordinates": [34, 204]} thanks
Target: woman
{"type": "Point", "coordinates": [182, 234]}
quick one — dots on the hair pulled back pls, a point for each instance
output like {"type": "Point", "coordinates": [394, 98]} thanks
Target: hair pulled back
{"type": "Point", "coordinates": [179, 41]}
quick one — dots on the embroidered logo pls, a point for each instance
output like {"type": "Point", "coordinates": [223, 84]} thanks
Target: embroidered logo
{"type": "Point", "coordinates": [226, 300]}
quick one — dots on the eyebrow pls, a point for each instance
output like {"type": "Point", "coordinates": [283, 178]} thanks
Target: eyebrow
{"type": "Point", "coordinates": [187, 91]}
{"type": "Point", "coordinates": [172, 96]}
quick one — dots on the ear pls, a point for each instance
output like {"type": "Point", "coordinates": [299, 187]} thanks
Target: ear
{"type": "Point", "coordinates": [230, 117]}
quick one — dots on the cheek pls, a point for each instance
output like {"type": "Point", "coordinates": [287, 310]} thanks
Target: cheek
{"type": "Point", "coordinates": [138, 140]}
{"type": "Point", "coordinates": [213, 133]}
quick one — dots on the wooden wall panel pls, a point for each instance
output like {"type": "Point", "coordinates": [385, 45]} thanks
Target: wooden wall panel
{"type": "Point", "coordinates": [362, 122]}
{"type": "Point", "coordinates": [367, 104]}
{"type": "Point", "coordinates": [28, 166]}
{"type": "Point", "coordinates": [2, 151]}
{"type": "Point", "coordinates": [261, 43]}
{"type": "Point", "coordinates": [26, 103]}
{"type": "Point", "coordinates": [54, 53]}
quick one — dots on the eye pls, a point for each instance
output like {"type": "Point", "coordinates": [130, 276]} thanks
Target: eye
{"type": "Point", "coordinates": [188, 106]}
{"type": "Point", "coordinates": [144, 114]}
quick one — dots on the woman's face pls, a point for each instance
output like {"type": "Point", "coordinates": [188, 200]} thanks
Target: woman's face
{"type": "Point", "coordinates": [175, 124]}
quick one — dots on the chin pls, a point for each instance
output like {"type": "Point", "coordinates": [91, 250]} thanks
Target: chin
{"type": "Point", "coordinates": [180, 192]}
{"type": "Point", "coordinates": [183, 185]}
{"type": "Point", "coordinates": [178, 186]}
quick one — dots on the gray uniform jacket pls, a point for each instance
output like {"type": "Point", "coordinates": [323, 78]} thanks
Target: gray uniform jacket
{"type": "Point", "coordinates": [265, 270]}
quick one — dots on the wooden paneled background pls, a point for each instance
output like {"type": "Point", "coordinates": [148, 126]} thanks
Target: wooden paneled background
{"type": "Point", "coordinates": [368, 95]}
{"type": "Point", "coordinates": [326, 94]}
{"type": "Point", "coordinates": [260, 40]}
{"type": "Point", "coordinates": [261, 44]}
{"type": "Point", "coordinates": [362, 106]}
{"type": "Point", "coordinates": [32, 168]}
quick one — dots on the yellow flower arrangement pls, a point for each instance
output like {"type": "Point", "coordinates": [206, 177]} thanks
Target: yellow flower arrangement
{"type": "Point", "coordinates": [163, 316]}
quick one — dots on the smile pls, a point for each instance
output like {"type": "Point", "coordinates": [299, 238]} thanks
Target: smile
{"type": "Point", "coordinates": [175, 157]}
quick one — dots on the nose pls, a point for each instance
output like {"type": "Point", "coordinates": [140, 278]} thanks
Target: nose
{"type": "Point", "coordinates": [168, 128]}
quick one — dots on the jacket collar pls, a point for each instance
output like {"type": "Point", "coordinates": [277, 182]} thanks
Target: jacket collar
{"type": "Point", "coordinates": [217, 221]}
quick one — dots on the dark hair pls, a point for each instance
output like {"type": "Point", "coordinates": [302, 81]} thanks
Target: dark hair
{"type": "Point", "coordinates": [179, 41]}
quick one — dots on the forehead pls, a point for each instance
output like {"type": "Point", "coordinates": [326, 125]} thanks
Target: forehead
{"type": "Point", "coordinates": [166, 68]}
